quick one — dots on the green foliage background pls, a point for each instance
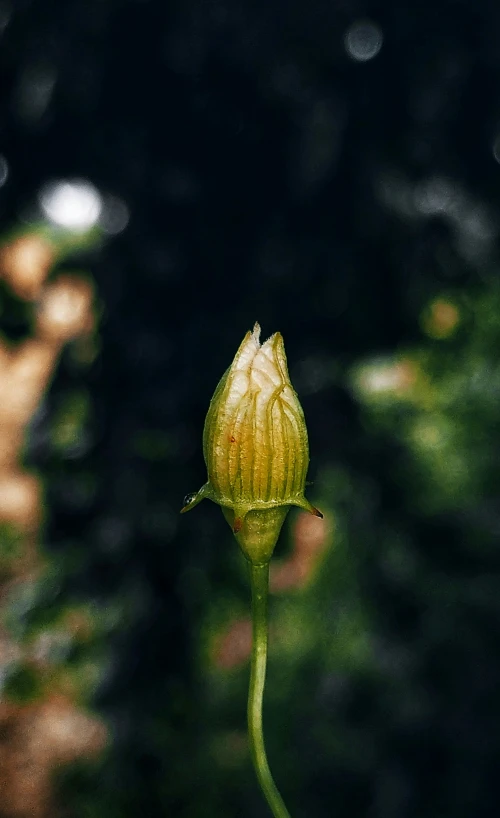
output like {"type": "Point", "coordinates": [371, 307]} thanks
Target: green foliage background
{"type": "Point", "coordinates": [269, 176]}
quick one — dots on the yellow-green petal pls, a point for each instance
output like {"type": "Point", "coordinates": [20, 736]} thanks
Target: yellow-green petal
{"type": "Point", "coordinates": [255, 446]}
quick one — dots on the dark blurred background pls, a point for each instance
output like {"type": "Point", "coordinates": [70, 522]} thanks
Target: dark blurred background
{"type": "Point", "coordinates": [330, 169]}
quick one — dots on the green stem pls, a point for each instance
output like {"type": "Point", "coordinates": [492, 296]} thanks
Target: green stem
{"type": "Point", "coordinates": [259, 580]}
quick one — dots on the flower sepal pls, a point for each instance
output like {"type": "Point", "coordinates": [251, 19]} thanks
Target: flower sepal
{"type": "Point", "coordinates": [256, 531]}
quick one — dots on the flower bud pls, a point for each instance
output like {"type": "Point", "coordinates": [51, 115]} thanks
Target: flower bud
{"type": "Point", "coordinates": [255, 446]}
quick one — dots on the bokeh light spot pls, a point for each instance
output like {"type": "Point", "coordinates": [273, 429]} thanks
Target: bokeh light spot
{"type": "Point", "coordinates": [385, 377]}
{"type": "Point", "coordinates": [441, 319]}
{"type": "Point", "coordinates": [4, 170]}
{"type": "Point", "coordinates": [114, 216]}
{"type": "Point", "coordinates": [75, 205]}
{"type": "Point", "coordinates": [363, 40]}
{"type": "Point", "coordinates": [437, 195]}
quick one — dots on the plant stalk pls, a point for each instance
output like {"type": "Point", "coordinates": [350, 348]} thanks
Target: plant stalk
{"type": "Point", "coordinates": [259, 581]}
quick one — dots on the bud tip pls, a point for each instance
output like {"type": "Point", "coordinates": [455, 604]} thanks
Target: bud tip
{"type": "Point", "coordinates": [256, 333]}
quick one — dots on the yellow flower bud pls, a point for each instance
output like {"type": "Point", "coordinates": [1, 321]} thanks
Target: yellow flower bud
{"type": "Point", "coordinates": [255, 446]}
